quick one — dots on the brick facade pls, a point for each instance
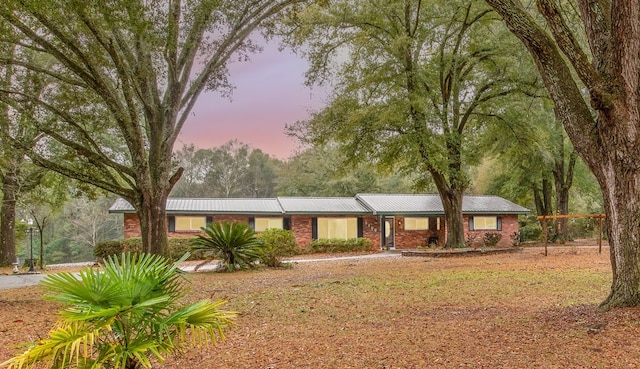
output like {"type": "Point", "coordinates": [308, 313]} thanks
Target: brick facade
{"type": "Point", "coordinates": [301, 226]}
{"type": "Point", "coordinates": [510, 228]}
{"type": "Point", "coordinates": [410, 239]}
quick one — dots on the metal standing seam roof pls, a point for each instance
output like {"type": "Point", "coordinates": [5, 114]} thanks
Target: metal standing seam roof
{"type": "Point", "coordinates": [210, 206]}
{"type": "Point", "coordinates": [322, 205]}
{"type": "Point", "coordinates": [432, 205]}
{"type": "Point", "coordinates": [377, 204]}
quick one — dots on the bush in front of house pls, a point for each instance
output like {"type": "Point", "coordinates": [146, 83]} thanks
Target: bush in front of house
{"type": "Point", "coordinates": [103, 250]}
{"type": "Point", "coordinates": [335, 245]}
{"type": "Point", "coordinates": [177, 248]}
{"type": "Point", "coordinates": [276, 245]}
{"type": "Point", "coordinates": [234, 244]}
{"type": "Point", "coordinates": [491, 239]}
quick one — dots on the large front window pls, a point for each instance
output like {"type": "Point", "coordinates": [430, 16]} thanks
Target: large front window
{"type": "Point", "coordinates": [262, 224]}
{"type": "Point", "coordinates": [190, 223]}
{"type": "Point", "coordinates": [337, 228]}
{"type": "Point", "coordinates": [485, 223]}
{"type": "Point", "coordinates": [416, 224]}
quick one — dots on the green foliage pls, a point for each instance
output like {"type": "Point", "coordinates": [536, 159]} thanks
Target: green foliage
{"type": "Point", "coordinates": [105, 249]}
{"type": "Point", "coordinates": [232, 170]}
{"type": "Point", "coordinates": [335, 245]}
{"type": "Point", "coordinates": [234, 243]}
{"type": "Point", "coordinates": [322, 171]}
{"type": "Point", "coordinates": [122, 316]}
{"type": "Point", "coordinates": [530, 229]}
{"type": "Point", "coordinates": [177, 248]}
{"type": "Point", "coordinates": [276, 244]}
{"type": "Point", "coordinates": [491, 238]}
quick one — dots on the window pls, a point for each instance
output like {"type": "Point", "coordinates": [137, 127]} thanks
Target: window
{"type": "Point", "coordinates": [337, 228]}
{"type": "Point", "coordinates": [190, 223]}
{"type": "Point", "coordinates": [262, 224]}
{"type": "Point", "coordinates": [416, 224]}
{"type": "Point", "coordinates": [484, 223]}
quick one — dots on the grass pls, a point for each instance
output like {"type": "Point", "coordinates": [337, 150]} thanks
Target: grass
{"type": "Point", "coordinates": [501, 311]}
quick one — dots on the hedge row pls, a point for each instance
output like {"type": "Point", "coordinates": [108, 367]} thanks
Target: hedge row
{"type": "Point", "coordinates": [177, 248]}
{"type": "Point", "coordinates": [277, 243]}
{"type": "Point", "coordinates": [334, 245]}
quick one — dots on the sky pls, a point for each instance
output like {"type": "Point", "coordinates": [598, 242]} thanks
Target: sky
{"type": "Point", "coordinates": [269, 93]}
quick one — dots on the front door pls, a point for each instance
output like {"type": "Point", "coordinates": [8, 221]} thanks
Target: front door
{"type": "Point", "coordinates": [389, 236]}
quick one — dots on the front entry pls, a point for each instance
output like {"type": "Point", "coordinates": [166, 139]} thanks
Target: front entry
{"type": "Point", "coordinates": [388, 233]}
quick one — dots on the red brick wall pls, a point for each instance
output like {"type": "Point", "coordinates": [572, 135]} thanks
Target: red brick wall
{"type": "Point", "coordinates": [405, 239]}
{"type": "Point", "coordinates": [410, 239]}
{"type": "Point", "coordinates": [131, 226]}
{"type": "Point", "coordinates": [301, 228]}
{"type": "Point", "coordinates": [371, 230]}
{"type": "Point", "coordinates": [509, 227]}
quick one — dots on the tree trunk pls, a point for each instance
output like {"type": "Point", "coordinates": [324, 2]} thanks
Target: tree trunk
{"type": "Point", "coordinates": [8, 219]}
{"type": "Point", "coordinates": [622, 204]}
{"type": "Point", "coordinates": [562, 207]}
{"type": "Point", "coordinates": [609, 73]}
{"type": "Point", "coordinates": [452, 203]}
{"type": "Point", "coordinates": [153, 223]}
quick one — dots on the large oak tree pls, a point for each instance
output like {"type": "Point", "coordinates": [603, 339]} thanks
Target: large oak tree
{"type": "Point", "coordinates": [607, 68]}
{"type": "Point", "coordinates": [415, 81]}
{"type": "Point", "coordinates": [122, 77]}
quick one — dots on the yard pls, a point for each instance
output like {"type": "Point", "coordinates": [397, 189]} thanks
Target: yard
{"type": "Point", "coordinates": [520, 310]}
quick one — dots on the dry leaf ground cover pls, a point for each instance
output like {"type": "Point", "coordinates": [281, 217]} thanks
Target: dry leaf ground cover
{"type": "Point", "coordinates": [520, 310]}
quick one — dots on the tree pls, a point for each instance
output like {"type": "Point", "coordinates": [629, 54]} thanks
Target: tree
{"type": "Point", "coordinates": [536, 156]}
{"type": "Point", "coordinates": [234, 169]}
{"type": "Point", "coordinates": [607, 68]}
{"type": "Point", "coordinates": [17, 174]}
{"type": "Point", "coordinates": [321, 171]}
{"type": "Point", "coordinates": [122, 316]}
{"type": "Point", "coordinates": [122, 77]}
{"type": "Point", "coordinates": [418, 82]}
{"type": "Point", "coordinates": [42, 203]}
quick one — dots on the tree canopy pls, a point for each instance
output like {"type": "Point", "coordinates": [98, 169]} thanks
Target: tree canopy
{"type": "Point", "coordinates": [120, 79]}
{"type": "Point", "coordinates": [414, 84]}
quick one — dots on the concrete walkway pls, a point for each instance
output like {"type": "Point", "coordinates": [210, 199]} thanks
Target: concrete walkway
{"type": "Point", "coordinates": [19, 280]}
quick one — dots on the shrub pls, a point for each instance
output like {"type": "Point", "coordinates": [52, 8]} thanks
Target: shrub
{"type": "Point", "coordinates": [123, 316]}
{"type": "Point", "coordinates": [470, 241]}
{"type": "Point", "coordinates": [334, 245]}
{"type": "Point", "coordinates": [177, 248]}
{"type": "Point", "coordinates": [234, 243]}
{"type": "Point", "coordinates": [103, 250]}
{"type": "Point", "coordinates": [180, 246]}
{"type": "Point", "coordinates": [491, 239]}
{"type": "Point", "coordinates": [276, 244]}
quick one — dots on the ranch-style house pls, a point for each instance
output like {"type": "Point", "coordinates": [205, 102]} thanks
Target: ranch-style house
{"type": "Point", "coordinates": [390, 221]}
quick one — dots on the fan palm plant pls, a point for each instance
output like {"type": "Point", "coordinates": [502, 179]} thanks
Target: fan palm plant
{"type": "Point", "coordinates": [235, 244]}
{"type": "Point", "coordinates": [123, 317]}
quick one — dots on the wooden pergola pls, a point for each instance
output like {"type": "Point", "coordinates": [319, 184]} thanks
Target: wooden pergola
{"type": "Point", "coordinates": [545, 231]}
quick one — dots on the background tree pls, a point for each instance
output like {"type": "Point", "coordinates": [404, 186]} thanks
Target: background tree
{"type": "Point", "coordinates": [417, 82]}
{"type": "Point", "coordinates": [234, 169]}
{"type": "Point", "coordinates": [536, 156]}
{"type": "Point", "coordinates": [128, 73]}
{"type": "Point", "coordinates": [42, 204]}
{"type": "Point", "coordinates": [321, 171]}
{"type": "Point", "coordinates": [606, 67]}
{"type": "Point", "coordinates": [17, 175]}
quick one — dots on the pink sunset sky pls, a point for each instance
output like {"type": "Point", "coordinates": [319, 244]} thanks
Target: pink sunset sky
{"type": "Point", "coordinates": [269, 93]}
